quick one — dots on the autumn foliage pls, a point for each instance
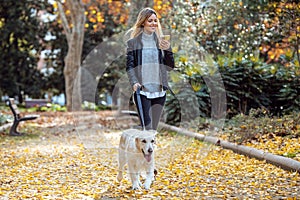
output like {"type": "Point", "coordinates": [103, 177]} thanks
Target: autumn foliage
{"type": "Point", "coordinates": [97, 11]}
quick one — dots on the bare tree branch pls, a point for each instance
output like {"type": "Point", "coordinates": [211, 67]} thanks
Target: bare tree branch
{"type": "Point", "coordinates": [64, 20]}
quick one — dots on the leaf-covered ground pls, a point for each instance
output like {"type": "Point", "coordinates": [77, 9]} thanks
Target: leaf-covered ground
{"type": "Point", "coordinates": [277, 135]}
{"type": "Point", "coordinates": [69, 156]}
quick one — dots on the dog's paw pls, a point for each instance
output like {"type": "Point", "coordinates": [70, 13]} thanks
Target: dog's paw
{"type": "Point", "coordinates": [147, 185]}
{"type": "Point", "coordinates": [135, 187]}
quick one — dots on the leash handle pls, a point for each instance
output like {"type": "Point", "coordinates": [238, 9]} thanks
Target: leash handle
{"type": "Point", "coordinates": [139, 102]}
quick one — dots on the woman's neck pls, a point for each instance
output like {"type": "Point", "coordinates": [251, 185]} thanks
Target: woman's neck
{"type": "Point", "coordinates": [147, 33]}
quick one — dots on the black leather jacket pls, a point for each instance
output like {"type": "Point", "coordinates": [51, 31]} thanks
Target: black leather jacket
{"type": "Point", "coordinates": [134, 61]}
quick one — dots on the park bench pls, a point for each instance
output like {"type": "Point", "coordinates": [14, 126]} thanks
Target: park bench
{"type": "Point", "coordinates": [17, 117]}
{"type": "Point", "coordinates": [36, 102]}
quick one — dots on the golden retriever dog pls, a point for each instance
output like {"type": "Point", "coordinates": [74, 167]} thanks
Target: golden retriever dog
{"type": "Point", "coordinates": [136, 149]}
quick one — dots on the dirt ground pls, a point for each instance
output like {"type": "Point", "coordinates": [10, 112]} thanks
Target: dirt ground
{"type": "Point", "coordinates": [74, 156]}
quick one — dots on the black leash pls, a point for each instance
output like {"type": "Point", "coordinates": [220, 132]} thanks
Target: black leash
{"type": "Point", "coordinates": [139, 102]}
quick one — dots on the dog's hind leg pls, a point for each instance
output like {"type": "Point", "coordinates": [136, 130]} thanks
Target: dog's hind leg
{"type": "Point", "coordinates": [122, 162]}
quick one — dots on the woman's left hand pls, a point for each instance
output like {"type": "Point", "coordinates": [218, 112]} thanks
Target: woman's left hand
{"type": "Point", "coordinates": [164, 44]}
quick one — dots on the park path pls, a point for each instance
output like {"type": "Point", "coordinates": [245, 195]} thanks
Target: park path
{"type": "Point", "coordinates": [74, 156]}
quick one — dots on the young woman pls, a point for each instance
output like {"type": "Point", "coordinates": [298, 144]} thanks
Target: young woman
{"type": "Point", "coordinates": [149, 57]}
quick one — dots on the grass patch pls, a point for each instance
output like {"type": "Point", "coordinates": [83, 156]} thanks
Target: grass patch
{"type": "Point", "coordinates": [29, 133]}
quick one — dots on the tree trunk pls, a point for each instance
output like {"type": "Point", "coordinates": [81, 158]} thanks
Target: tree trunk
{"type": "Point", "coordinates": [72, 74]}
{"type": "Point", "coordinates": [75, 36]}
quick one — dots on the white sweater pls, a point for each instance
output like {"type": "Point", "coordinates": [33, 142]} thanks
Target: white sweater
{"type": "Point", "coordinates": [150, 68]}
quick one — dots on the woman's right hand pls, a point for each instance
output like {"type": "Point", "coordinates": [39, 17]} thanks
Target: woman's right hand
{"type": "Point", "coordinates": [136, 86]}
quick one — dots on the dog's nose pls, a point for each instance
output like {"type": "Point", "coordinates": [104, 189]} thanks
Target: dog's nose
{"type": "Point", "coordinates": [150, 150]}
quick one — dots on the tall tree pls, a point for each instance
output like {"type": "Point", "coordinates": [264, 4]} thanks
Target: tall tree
{"type": "Point", "coordinates": [21, 33]}
{"type": "Point", "coordinates": [74, 30]}
{"type": "Point", "coordinates": [77, 16]}
{"type": "Point", "coordinates": [281, 30]}
{"type": "Point", "coordinates": [238, 33]}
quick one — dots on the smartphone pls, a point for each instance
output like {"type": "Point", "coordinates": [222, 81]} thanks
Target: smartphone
{"type": "Point", "coordinates": [166, 37]}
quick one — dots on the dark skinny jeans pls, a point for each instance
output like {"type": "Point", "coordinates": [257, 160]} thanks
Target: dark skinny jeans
{"type": "Point", "coordinates": [152, 109]}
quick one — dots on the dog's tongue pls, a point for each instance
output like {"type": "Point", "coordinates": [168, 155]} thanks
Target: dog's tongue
{"type": "Point", "coordinates": [148, 157]}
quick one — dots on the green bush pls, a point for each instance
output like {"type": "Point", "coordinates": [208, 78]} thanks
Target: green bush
{"type": "Point", "coordinates": [181, 106]}
{"type": "Point", "coordinates": [48, 108]}
{"type": "Point", "coordinates": [249, 84]}
{"type": "Point", "coordinates": [252, 84]}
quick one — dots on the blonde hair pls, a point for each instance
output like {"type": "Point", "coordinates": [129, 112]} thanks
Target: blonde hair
{"type": "Point", "coordinates": [138, 27]}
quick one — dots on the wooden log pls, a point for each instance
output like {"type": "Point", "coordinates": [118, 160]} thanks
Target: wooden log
{"type": "Point", "coordinates": [280, 161]}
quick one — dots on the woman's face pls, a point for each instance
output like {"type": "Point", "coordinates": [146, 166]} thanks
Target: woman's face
{"type": "Point", "coordinates": [150, 24]}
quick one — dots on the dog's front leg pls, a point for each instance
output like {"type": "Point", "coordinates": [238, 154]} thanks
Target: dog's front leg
{"type": "Point", "coordinates": [138, 178]}
{"type": "Point", "coordinates": [149, 178]}
{"type": "Point", "coordinates": [135, 180]}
